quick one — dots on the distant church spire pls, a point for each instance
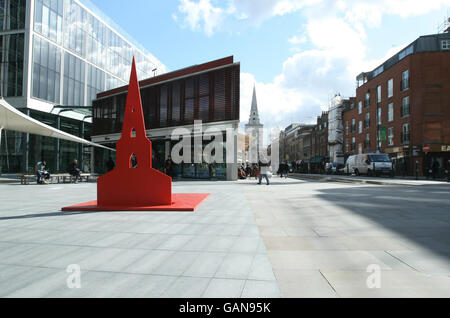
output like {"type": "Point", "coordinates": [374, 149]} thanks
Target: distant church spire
{"type": "Point", "coordinates": [254, 114]}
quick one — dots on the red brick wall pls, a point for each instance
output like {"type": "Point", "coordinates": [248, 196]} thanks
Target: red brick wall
{"type": "Point", "coordinates": [429, 94]}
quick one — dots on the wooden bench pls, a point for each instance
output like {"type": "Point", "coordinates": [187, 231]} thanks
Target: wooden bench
{"type": "Point", "coordinates": [25, 179]}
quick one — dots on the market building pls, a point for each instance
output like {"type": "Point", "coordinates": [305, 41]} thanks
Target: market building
{"type": "Point", "coordinates": [207, 92]}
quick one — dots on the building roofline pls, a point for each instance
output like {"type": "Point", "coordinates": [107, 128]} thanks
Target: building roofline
{"type": "Point", "coordinates": [412, 44]}
{"type": "Point", "coordinates": [195, 69]}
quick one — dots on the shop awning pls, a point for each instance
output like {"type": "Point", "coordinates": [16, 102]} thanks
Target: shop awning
{"type": "Point", "coordinates": [14, 120]}
{"type": "Point", "coordinates": [317, 159]}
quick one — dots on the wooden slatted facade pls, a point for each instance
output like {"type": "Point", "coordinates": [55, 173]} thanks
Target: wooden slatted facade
{"type": "Point", "coordinates": [207, 92]}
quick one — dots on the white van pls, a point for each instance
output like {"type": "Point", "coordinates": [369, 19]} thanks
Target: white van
{"type": "Point", "coordinates": [370, 164]}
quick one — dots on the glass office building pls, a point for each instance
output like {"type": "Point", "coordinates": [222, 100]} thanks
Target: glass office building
{"type": "Point", "coordinates": [55, 56]}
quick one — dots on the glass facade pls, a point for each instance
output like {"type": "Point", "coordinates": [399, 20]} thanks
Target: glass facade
{"type": "Point", "coordinates": [90, 47]}
{"type": "Point", "coordinates": [48, 15]}
{"type": "Point", "coordinates": [75, 52]}
{"type": "Point", "coordinates": [16, 157]}
{"type": "Point", "coordinates": [12, 14]}
{"type": "Point", "coordinates": [74, 80]}
{"type": "Point", "coordinates": [46, 70]}
{"type": "Point", "coordinates": [11, 64]}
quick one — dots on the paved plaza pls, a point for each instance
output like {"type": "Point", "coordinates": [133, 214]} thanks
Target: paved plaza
{"type": "Point", "coordinates": [295, 238]}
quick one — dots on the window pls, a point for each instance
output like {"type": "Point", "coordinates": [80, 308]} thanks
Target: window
{"type": "Point", "coordinates": [12, 14]}
{"type": "Point", "coordinates": [445, 44]}
{"type": "Point", "coordinates": [75, 18]}
{"type": "Point", "coordinates": [353, 125]}
{"type": "Point", "coordinates": [74, 80]}
{"type": "Point", "coordinates": [379, 113]}
{"type": "Point", "coordinates": [367, 121]}
{"type": "Point", "coordinates": [378, 94]}
{"type": "Point", "coordinates": [378, 71]}
{"type": "Point", "coordinates": [360, 149]}
{"type": "Point", "coordinates": [379, 141]}
{"type": "Point", "coordinates": [360, 127]}
{"type": "Point", "coordinates": [12, 64]}
{"type": "Point", "coordinates": [406, 134]}
{"type": "Point", "coordinates": [390, 88]}
{"type": "Point", "coordinates": [367, 141]}
{"type": "Point", "coordinates": [46, 74]}
{"type": "Point", "coordinates": [391, 112]}
{"type": "Point", "coordinates": [353, 144]}
{"type": "Point", "coordinates": [95, 83]}
{"type": "Point", "coordinates": [367, 101]}
{"type": "Point", "coordinates": [346, 128]}
{"type": "Point", "coordinates": [405, 80]}
{"type": "Point", "coordinates": [347, 146]}
{"type": "Point", "coordinates": [48, 19]}
{"type": "Point", "coordinates": [391, 136]}
{"type": "Point", "coordinates": [406, 52]}
{"type": "Point", "coordinates": [360, 106]}
{"type": "Point", "coordinates": [406, 109]}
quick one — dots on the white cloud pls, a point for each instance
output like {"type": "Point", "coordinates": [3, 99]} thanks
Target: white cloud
{"type": "Point", "coordinates": [327, 53]}
{"type": "Point", "coordinates": [202, 15]}
{"type": "Point", "coordinates": [298, 40]}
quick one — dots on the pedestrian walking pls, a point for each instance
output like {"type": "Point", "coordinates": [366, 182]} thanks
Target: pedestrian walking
{"type": "Point", "coordinates": [264, 172]}
{"type": "Point", "coordinates": [435, 169]}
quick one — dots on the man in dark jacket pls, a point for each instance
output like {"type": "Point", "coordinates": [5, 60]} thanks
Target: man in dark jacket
{"type": "Point", "coordinates": [74, 171]}
{"type": "Point", "coordinates": [435, 169]}
{"type": "Point", "coordinates": [169, 166]}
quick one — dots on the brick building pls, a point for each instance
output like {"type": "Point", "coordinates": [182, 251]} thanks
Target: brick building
{"type": "Point", "coordinates": [319, 140]}
{"type": "Point", "coordinates": [403, 107]}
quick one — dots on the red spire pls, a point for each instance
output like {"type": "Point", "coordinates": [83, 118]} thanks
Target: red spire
{"type": "Point", "coordinates": [133, 117]}
{"type": "Point", "coordinates": [134, 139]}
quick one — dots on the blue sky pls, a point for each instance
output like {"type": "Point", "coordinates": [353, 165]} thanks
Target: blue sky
{"type": "Point", "coordinates": [298, 53]}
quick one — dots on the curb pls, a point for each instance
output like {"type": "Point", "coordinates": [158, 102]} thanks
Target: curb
{"type": "Point", "coordinates": [349, 180]}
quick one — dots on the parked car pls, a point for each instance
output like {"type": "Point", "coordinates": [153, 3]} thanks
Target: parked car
{"type": "Point", "coordinates": [370, 165]}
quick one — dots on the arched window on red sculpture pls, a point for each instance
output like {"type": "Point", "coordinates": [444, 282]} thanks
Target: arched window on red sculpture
{"type": "Point", "coordinates": [133, 161]}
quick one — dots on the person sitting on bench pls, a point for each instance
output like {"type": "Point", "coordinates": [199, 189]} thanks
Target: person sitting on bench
{"type": "Point", "coordinates": [74, 171]}
{"type": "Point", "coordinates": [41, 172]}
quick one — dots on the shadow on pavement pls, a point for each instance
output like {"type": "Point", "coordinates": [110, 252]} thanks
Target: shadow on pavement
{"type": "Point", "coordinates": [419, 214]}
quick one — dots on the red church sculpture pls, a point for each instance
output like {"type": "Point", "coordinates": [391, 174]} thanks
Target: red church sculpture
{"type": "Point", "coordinates": [134, 185]}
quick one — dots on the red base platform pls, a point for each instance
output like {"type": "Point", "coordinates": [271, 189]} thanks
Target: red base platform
{"type": "Point", "coordinates": [181, 203]}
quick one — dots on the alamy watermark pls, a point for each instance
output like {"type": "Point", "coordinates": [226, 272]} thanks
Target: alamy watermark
{"type": "Point", "coordinates": [191, 145]}
{"type": "Point", "coordinates": [374, 279]}
{"type": "Point", "coordinates": [73, 281]}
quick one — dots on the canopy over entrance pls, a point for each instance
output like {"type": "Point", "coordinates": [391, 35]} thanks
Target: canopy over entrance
{"type": "Point", "coordinates": [14, 120]}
